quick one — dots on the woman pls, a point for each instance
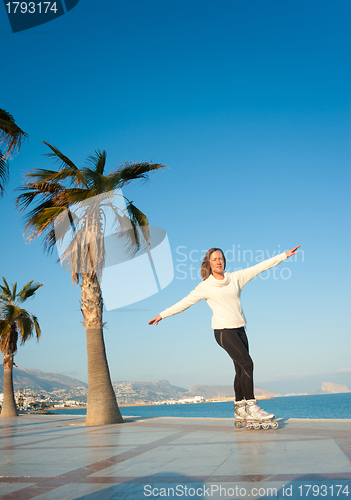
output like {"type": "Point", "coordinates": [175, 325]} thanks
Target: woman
{"type": "Point", "coordinates": [222, 292]}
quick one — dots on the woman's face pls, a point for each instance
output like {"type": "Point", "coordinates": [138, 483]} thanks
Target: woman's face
{"type": "Point", "coordinates": [217, 262]}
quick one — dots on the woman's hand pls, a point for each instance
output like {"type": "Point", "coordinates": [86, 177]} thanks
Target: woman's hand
{"type": "Point", "coordinates": [155, 321]}
{"type": "Point", "coordinates": [292, 252]}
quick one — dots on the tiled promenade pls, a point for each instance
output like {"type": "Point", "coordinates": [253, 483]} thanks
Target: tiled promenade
{"type": "Point", "coordinates": [57, 457]}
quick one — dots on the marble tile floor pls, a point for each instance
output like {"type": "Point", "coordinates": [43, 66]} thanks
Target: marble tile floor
{"type": "Point", "coordinates": [56, 457]}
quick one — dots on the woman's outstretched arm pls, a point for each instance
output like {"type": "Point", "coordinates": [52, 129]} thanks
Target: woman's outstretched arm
{"type": "Point", "coordinates": [245, 275]}
{"type": "Point", "coordinates": [193, 297]}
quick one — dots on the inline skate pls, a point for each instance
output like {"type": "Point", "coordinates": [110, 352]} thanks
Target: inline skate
{"type": "Point", "coordinates": [249, 415]}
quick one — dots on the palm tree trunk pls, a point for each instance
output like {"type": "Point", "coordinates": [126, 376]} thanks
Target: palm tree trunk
{"type": "Point", "coordinates": [9, 405]}
{"type": "Point", "coordinates": [102, 404]}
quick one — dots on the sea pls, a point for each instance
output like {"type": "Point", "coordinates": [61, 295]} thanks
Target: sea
{"type": "Point", "coordinates": [330, 406]}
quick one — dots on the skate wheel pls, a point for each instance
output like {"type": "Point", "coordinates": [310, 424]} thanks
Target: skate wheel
{"type": "Point", "coordinates": [274, 425]}
{"type": "Point", "coordinates": [248, 425]}
{"type": "Point", "coordinates": [238, 425]}
{"type": "Point", "coordinates": [256, 425]}
{"type": "Point", "coordinates": [265, 426]}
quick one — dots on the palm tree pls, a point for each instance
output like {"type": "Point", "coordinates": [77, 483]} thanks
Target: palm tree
{"type": "Point", "coordinates": [57, 194]}
{"type": "Point", "coordinates": [14, 322]}
{"type": "Point", "coordinates": [12, 136]}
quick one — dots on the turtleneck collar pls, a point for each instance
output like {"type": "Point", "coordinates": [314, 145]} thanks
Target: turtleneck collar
{"type": "Point", "coordinates": [212, 281]}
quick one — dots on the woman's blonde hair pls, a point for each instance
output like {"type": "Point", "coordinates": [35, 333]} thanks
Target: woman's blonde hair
{"type": "Point", "coordinates": [205, 266]}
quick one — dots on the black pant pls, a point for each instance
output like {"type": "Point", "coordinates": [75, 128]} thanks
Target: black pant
{"type": "Point", "coordinates": [234, 341]}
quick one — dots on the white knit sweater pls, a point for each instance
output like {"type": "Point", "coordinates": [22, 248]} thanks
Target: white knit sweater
{"type": "Point", "coordinates": [223, 296]}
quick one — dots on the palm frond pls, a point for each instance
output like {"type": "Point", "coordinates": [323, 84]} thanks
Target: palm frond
{"type": "Point", "coordinates": [25, 199]}
{"type": "Point", "coordinates": [125, 232]}
{"type": "Point", "coordinates": [4, 327]}
{"type": "Point", "coordinates": [14, 288]}
{"type": "Point", "coordinates": [6, 289]}
{"type": "Point", "coordinates": [9, 338]}
{"type": "Point", "coordinates": [22, 293]}
{"type": "Point", "coordinates": [139, 223]}
{"type": "Point", "coordinates": [9, 312]}
{"type": "Point", "coordinates": [97, 161]}
{"type": "Point", "coordinates": [46, 175]}
{"type": "Point", "coordinates": [134, 171]}
{"type": "Point", "coordinates": [50, 241]}
{"type": "Point", "coordinates": [38, 210]}
{"type": "Point", "coordinates": [56, 155]}
{"type": "Point", "coordinates": [28, 291]}
{"type": "Point", "coordinates": [10, 133]}
{"type": "Point", "coordinates": [41, 189]}
{"type": "Point", "coordinates": [25, 325]}
{"type": "Point", "coordinates": [4, 172]}
{"type": "Point", "coordinates": [47, 215]}
{"type": "Point", "coordinates": [68, 168]}
{"type": "Point", "coordinates": [36, 327]}
{"type": "Point", "coordinates": [39, 220]}
{"type": "Point", "coordinates": [95, 180]}
{"type": "Point", "coordinates": [79, 195]}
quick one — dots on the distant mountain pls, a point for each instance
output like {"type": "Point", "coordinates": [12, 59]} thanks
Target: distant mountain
{"type": "Point", "coordinates": [211, 391]}
{"type": "Point", "coordinates": [36, 380]}
{"type": "Point", "coordinates": [331, 388]}
{"type": "Point", "coordinates": [264, 393]}
{"type": "Point", "coordinates": [145, 392]}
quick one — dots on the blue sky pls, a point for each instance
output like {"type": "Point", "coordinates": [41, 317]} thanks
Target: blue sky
{"type": "Point", "coordinates": [248, 104]}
